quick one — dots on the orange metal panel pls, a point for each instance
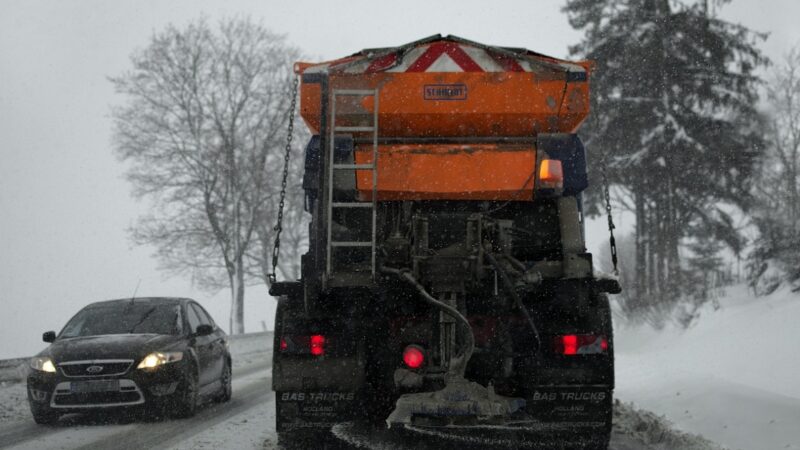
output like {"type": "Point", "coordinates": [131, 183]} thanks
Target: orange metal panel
{"type": "Point", "coordinates": [492, 103]}
{"type": "Point", "coordinates": [449, 172]}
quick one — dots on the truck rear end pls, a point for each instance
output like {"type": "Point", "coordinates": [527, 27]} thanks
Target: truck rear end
{"type": "Point", "coordinates": [447, 284]}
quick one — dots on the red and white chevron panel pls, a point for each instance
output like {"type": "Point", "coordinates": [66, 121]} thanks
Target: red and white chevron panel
{"type": "Point", "coordinates": [440, 56]}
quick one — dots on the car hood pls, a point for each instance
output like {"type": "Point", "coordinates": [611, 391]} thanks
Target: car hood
{"type": "Point", "coordinates": [113, 346]}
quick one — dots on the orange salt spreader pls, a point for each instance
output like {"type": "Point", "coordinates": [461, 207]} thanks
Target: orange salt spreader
{"type": "Point", "coordinates": [436, 294]}
{"type": "Point", "coordinates": [456, 120]}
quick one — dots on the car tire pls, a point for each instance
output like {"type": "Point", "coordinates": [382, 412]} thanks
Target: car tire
{"type": "Point", "coordinates": [43, 415]}
{"type": "Point", "coordinates": [188, 395]}
{"type": "Point", "coordinates": [226, 391]}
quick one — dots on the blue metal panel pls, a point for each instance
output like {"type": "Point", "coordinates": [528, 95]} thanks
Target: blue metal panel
{"type": "Point", "coordinates": [568, 149]}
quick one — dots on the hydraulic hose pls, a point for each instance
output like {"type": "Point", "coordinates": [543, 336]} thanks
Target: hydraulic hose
{"type": "Point", "coordinates": [460, 364]}
{"type": "Point", "coordinates": [510, 289]}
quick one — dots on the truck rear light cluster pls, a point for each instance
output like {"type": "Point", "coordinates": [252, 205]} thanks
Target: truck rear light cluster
{"type": "Point", "coordinates": [303, 345]}
{"type": "Point", "coordinates": [581, 344]}
{"type": "Point", "coordinates": [316, 344]}
{"type": "Point", "coordinates": [413, 356]}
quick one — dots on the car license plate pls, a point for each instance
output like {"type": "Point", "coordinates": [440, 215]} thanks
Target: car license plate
{"type": "Point", "coordinates": [94, 386]}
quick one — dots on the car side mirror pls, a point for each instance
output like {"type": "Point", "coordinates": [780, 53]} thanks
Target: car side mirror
{"type": "Point", "coordinates": [49, 336]}
{"type": "Point", "coordinates": [607, 285]}
{"type": "Point", "coordinates": [204, 330]}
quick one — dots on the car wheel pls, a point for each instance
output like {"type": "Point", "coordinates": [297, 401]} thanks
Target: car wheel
{"type": "Point", "coordinates": [187, 398]}
{"type": "Point", "coordinates": [43, 415]}
{"type": "Point", "coordinates": [226, 390]}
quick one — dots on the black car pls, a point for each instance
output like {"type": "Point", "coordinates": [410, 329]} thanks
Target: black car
{"type": "Point", "coordinates": [161, 354]}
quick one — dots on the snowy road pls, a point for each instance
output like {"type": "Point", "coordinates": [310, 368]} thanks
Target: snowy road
{"type": "Point", "coordinates": [247, 422]}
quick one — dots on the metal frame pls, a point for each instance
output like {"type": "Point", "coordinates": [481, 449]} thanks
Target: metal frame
{"type": "Point", "coordinates": [332, 166]}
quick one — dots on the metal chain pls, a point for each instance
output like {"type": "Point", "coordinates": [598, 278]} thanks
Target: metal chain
{"type": "Point", "coordinates": [276, 249]}
{"type": "Point", "coordinates": [612, 242]}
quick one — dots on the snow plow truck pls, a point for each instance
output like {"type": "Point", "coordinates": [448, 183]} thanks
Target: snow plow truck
{"type": "Point", "coordinates": [447, 284]}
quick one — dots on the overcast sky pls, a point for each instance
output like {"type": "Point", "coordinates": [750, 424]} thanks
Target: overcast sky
{"type": "Point", "coordinates": [64, 205]}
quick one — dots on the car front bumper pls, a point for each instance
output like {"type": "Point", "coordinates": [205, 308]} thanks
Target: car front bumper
{"type": "Point", "coordinates": [136, 387]}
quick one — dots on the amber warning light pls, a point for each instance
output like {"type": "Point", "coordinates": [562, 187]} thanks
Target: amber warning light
{"type": "Point", "coordinates": [551, 175]}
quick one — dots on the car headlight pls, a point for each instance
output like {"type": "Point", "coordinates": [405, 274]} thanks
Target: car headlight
{"type": "Point", "coordinates": [43, 364]}
{"type": "Point", "coordinates": [156, 359]}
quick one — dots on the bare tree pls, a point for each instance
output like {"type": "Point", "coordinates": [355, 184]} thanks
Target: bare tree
{"type": "Point", "coordinates": [777, 207]}
{"type": "Point", "coordinates": [784, 133]}
{"type": "Point", "coordinates": [203, 130]}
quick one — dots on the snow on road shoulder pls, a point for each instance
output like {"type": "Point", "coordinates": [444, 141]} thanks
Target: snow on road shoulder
{"type": "Point", "coordinates": [13, 402]}
{"type": "Point", "coordinates": [636, 429]}
{"type": "Point", "coordinates": [250, 349]}
{"type": "Point", "coordinates": [731, 377]}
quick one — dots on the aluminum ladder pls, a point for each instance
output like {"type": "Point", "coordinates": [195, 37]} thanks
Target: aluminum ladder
{"type": "Point", "coordinates": [333, 166]}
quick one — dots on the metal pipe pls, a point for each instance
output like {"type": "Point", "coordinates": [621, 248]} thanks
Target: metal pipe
{"type": "Point", "coordinates": [510, 289]}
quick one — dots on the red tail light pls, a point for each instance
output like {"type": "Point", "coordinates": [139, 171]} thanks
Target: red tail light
{"type": "Point", "coordinates": [317, 344]}
{"type": "Point", "coordinates": [284, 344]}
{"type": "Point", "coordinates": [581, 344]}
{"type": "Point", "coordinates": [414, 357]}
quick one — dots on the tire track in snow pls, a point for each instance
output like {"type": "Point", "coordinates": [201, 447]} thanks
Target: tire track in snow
{"type": "Point", "coordinates": [170, 432]}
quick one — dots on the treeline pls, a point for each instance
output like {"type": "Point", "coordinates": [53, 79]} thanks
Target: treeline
{"type": "Point", "coordinates": [676, 123]}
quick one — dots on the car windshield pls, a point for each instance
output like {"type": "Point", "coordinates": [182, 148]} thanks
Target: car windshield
{"type": "Point", "coordinates": [124, 319]}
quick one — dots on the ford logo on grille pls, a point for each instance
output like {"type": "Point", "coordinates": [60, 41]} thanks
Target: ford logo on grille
{"type": "Point", "coordinates": [94, 369]}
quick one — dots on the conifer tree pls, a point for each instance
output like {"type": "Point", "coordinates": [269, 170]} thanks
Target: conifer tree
{"type": "Point", "coordinates": [673, 102]}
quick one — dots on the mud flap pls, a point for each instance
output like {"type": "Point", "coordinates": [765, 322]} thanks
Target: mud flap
{"type": "Point", "coordinates": [313, 410]}
{"type": "Point", "coordinates": [571, 408]}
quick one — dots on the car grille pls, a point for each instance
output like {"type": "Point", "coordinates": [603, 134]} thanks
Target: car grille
{"type": "Point", "coordinates": [95, 368]}
{"type": "Point", "coordinates": [96, 398]}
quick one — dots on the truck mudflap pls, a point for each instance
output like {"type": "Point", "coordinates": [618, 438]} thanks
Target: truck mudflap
{"type": "Point", "coordinates": [567, 408]}
{"type": "Point", "coordinates": [297, 410]}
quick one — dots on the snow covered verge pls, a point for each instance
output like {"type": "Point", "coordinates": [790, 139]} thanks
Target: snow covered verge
{"type": "Point", "coordinates": [13, 401]}
{"type": "Point", "coordinates": [733, 376]}
{"type": "Point", "coordinates": [13, 369]}
{"type": "Point", "coordinates": [639, 429]}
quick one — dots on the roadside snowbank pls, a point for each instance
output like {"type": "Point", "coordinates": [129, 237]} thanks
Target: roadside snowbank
{"type": "Point", "coordinates": [637, 429]}
{"type": "Point", "coordinates": [13, 402]}
{"type": "Point", "coordinates": [732, 376]}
